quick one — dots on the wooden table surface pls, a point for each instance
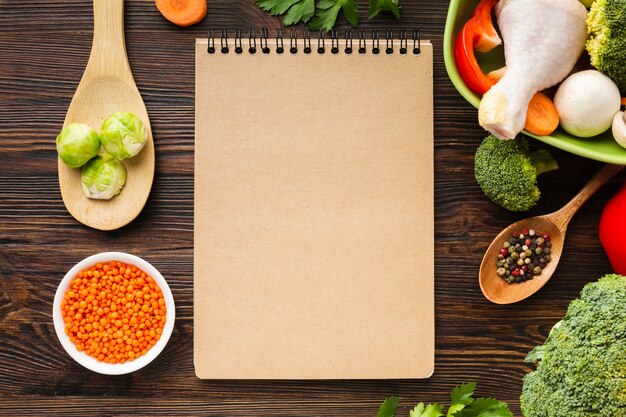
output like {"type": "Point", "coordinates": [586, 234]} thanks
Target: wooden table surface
{"type": "Point", "coordinates": [44, 46]}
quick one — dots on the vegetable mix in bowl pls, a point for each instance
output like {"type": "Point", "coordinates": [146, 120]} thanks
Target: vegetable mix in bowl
{"type": "Point", "coordinates": [539, 32]}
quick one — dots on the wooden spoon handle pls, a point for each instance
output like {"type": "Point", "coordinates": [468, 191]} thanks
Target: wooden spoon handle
{"type": "Point", "coordinates": [562, 217]}
{"type": "Point", "coordinates": [108, 53]}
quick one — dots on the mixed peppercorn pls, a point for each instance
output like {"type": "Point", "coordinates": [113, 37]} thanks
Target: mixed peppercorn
{"type": "Point", "coordinates": [523, 256]}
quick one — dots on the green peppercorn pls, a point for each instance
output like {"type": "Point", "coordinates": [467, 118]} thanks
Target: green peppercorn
{"type": "Point", "coordinates": [501, 272]}
{"type": "Point", "coordinates": [506, 245]}
{"type": "Point", "coordinates": [537, 270]}
{"type": "Point", "coordinates": [527, 261]}
{"type": "Point", "coordinates": [538, 251]}
{"type": "Point", "coordinates": [540, 241]}
{"type": "Point", "coordinates": [528, 252]}
{"type": "Point", "coordinates": [514, 255]}
{"type": "Point", "coordinates": [520, 262]}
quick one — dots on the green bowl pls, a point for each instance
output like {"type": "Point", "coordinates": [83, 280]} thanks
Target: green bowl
{"type": "Point", "coordinates": [601, 148]}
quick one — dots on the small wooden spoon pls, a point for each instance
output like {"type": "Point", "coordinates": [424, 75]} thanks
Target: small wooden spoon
{"type": "Point", "coordinates": [554, 224]}
{"type": "Point", "coordinates": [108, 86]}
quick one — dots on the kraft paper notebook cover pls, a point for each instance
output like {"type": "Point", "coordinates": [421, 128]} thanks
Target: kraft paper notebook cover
{"type": "Point", "coordinates": [314, 214]}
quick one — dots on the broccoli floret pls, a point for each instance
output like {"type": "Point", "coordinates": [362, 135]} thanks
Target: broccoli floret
{"type": "Point", "coordinates": [582, 366]}
{"type": "Point", "coordinates": [606, 23]}
{"type": "Point", "coordinates": [507, 172]}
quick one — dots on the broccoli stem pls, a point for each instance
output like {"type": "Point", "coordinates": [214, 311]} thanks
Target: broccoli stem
{"type": "Point", "coordinates": [543, 161]}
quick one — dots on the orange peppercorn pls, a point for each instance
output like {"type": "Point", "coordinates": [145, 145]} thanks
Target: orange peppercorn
{"type": "Point", "coordinates": [114, 312]}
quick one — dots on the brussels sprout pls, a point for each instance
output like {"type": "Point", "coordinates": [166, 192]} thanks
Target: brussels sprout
{"type": "Point", "coordinates": [77, 144]}
{"type": "Point", "coordinates": [103, 177]}
{"type": "Point", "coordinates": [123, 135]}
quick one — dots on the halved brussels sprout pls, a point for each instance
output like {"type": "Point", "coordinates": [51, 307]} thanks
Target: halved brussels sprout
{"type": "Point", "coordinates": [77, 143]}
{"type": "Point", "coordinates": [123, 135]}
{"type": "Point", "coordinates": [103, 177]}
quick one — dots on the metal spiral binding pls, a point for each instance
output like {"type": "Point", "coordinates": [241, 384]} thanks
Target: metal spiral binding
{"type": "Point", "coordinates": [334, 49]}
{"type": "Point", "coordinates": [211, 47]}
{"type": "Point", "coordinates": [416, 36]}
{"type": "Point", "coordinates": [307, 42]}
{"type": "Point", "coordinates": [280, 48]}
{"type": "Point", "coordinates": [293, 42]}
{"type": "Point", "coordinates": [362, 47]}
{"type": "Point", "coordinates": [373, 40]}
{"type": "Point", "coordinates": [321, 38]}
{"type": "Point", "coordinates": [264, 48]}
{"type": "Point", "coordinates": [252, 42]}
{"type": "Point", "coordinates": [348, 35]}
{"type": "Point", "coordinates": [238, 47]}
{"type": "Point", "coordinates": [224, 41]}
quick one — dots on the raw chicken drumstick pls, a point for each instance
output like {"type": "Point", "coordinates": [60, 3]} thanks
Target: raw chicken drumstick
{"type": "Point", "coordinates": [542, 42]}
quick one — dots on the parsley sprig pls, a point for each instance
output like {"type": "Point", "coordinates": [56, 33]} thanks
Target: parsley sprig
{"type": "Point", "coordinates": [462, 405]}
{"type": "Point", "coordinates": [322, 14]}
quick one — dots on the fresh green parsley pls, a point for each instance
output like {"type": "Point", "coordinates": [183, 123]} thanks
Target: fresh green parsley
{"type": "Point", "coordinates": [389, 407]}
{"type": "Point", "coordinates": [322, 14]}
{"type": "Point", "coordinates": [462, 404]}
{"type": "Point", "coordinates": [430, 410]}
{"type": "Point", "coordinates": [377, 6]}
{"type": "Point", "coordinates": [327, 11]}
{"type": "Point", "coordinates": [297, 10]}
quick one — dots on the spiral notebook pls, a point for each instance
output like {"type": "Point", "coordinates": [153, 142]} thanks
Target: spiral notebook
{"type": "Point", "coordinates": [314, 213]}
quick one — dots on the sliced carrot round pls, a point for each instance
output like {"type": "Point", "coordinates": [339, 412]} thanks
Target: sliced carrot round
{"type": "Point", "coordinates": [182, 12]}
{"type": "Point", "coordinates": [542, 117]}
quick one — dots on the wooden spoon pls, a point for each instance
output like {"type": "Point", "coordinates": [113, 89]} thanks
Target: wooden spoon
{"type": "Point", "coordinates": [108, 86]}
{"type": "Point", "coordinates": [554, 224]}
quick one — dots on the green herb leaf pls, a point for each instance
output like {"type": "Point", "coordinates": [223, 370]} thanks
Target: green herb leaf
{"type": "Point", "coordinates": [389, 407]}
{"type": "Point", "coordinates": [297, 10]}
{"type": "Point", "coordinates": [430, 410]}
{"type": "Point", "coordinates": [376, 6]}
{"type": "Point", "coordinates": [460, 398]}
{"type": "Point", "coordinates": [328, 10]}
{"type": "Point", "coordinates": [463, 394]}
{"type": "Point", "coordinates": [485, 407]}
{"type": "Point", "coordinates": [536, 354]}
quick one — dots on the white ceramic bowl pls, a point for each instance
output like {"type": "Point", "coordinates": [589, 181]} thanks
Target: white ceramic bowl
{"type": "Point", "coordinates": [90, 362]}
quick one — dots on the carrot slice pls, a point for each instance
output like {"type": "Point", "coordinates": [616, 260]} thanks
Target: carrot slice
{"type": "Point", "coordinates": [182, 12]}
{"type": "Point", "coordinates": [542, 117]}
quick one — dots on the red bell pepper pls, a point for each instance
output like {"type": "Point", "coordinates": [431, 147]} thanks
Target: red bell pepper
{"type": "Point", "coordinates": [612, 231]}
{"type": "Point", "coordinates": [477, 34]}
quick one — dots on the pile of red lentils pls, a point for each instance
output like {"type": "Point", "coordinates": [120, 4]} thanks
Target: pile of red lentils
{"type": "Point", "coordinates": [114, 312]}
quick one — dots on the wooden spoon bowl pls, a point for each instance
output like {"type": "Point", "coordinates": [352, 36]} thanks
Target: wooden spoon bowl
{"type": "Point", "coordinates": [555, 224]}
{"type": "Point", "coordinates": [108, 86]}
{"type": "Point", "coordinates": [498, 290]}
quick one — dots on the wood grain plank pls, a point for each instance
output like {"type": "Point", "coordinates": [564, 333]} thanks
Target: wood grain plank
{"type": "Point", "coordinates": [44, 47]}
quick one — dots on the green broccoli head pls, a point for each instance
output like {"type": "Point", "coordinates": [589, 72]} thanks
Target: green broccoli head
{"type": "Point", "coordinates": [606, 23]}
{"type": "Point", "coordinates": [582, 366]}
{"type": "Point", "coordinates": [507, 172]}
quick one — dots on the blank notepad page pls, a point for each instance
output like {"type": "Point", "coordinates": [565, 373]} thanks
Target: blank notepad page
{"type": "Point", "coordinates": [314, 234]}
